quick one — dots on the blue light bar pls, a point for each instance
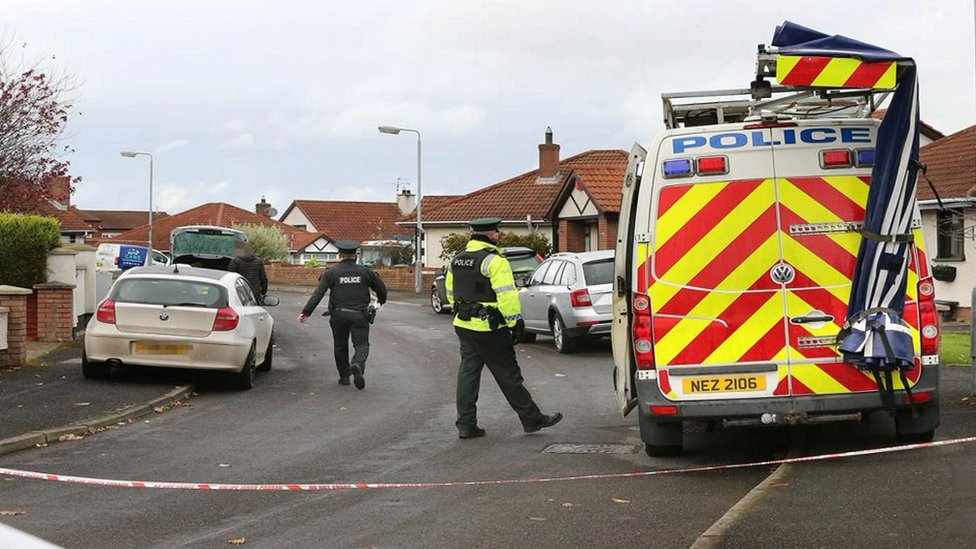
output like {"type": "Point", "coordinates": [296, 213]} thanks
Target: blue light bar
{"type": "Point", "coordinates": [864, 158]}
{"type": "Point", "coordinates": [681, 167]}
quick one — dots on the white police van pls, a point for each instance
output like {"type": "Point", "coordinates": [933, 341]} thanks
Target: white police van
{"type": "Point", "coordinates": [737, 244]}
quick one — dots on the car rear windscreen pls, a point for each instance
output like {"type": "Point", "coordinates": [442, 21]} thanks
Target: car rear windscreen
{"type": "Point", "coordinates": [598, 272]}
{"type": "Point", "coordinates": [523, 263]}
{"type": "Point", "coordinates": [169, 292]}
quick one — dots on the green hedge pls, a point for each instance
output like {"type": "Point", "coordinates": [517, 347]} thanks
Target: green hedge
{"type": "Point", "coordinates": [25, 241]}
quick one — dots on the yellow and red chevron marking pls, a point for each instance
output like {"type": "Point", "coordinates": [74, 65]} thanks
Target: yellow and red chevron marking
{"type": "Point", "coordinates": [834, 72]}
{"type": "Point", "coordinates": [709, 285]}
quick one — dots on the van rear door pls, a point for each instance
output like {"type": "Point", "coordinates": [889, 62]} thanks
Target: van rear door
{"type": "Point", "coordinates": [822, 209]}
{"type": "Point", "coordinates": [710, 271]}
{"type": "Point", "coordinates": [623, 359]}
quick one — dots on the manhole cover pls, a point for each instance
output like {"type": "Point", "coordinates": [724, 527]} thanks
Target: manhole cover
{"type": "Point", "coordinates": [576, 448]}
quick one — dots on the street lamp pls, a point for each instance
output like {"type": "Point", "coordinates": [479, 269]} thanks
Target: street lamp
{"type": "Point", "coordinates": [419, 265]}
{"type": "Point", "coordinates": [131, 154]}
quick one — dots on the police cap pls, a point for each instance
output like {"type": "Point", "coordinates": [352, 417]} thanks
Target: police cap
{"type": "Point", "coordinates": [347, 246]}
{"type": "Point", "coordinates": [485, 224]}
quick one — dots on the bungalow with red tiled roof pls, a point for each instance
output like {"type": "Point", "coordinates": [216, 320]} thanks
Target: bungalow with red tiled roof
{"type": "Point", "coordinates": [111, 223]}
{"type": "Point", "coordinates": [573, 202]}
{"type": "Point", "coordinates": [369, 223]}
{"type": "Point", "coordinates": [214, 213]}
{"type": "Point", "coordinates": [948, 228]}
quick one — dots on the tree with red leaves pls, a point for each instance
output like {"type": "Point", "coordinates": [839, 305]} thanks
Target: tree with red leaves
{"type": "Point", "coordinates": [34, 109]}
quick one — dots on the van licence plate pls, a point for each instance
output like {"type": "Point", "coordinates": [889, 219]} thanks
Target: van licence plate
{"type": "Point", "coordinates": [723, 384]}
{"type": "Point", "coordinates": [146, 348]}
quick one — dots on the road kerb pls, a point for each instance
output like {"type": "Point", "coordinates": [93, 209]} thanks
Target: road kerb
{"type": "Point", "coordinates": [21, 442]}
{"type": "Point", "coordinates": [51, 435]}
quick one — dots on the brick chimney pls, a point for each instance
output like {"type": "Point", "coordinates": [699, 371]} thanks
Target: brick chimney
{"type": "Point", "coordinates": [548, 159]}
{"type": "Point", "coordinates": [59, 190]}
{"type": "Point", "coordinates": [263, 208]}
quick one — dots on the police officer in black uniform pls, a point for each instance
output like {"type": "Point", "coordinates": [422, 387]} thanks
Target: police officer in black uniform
{"type": "Point", "coordinates": [487, 321]}
{"type": "Point", "coordinates": [349, 310]}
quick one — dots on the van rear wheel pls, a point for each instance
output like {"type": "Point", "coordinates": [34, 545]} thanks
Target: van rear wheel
{"type": "Point", "coordinates": [661, 438]}
{"type": "Point", "coordinates": [917, 428]}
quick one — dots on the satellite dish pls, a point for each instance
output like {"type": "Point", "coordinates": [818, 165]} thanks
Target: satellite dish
{"type": "Point", "coordinates": [272, 212]}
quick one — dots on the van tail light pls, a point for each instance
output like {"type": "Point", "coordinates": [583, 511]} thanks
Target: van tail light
{"type": "Point", "coordinates": [116, 260]}
{"type": "Point", "coordinates": [712, 165]}
{"type": "Point", "coordinates": [106, 312]}
{"type": "Point", "coordinates": [580, 298]}
{"type": "Point", "coordinates": [928, 317]}
{"type": "Point", "coordinates": [643, 346]}
{"type": "Point", "coordinates": [226, 320]}
{"type": "Point", "coordinates": [838, 158]}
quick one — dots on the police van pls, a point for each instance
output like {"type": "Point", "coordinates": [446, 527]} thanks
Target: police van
{"type": "Point", "coordinates": [737, 244]}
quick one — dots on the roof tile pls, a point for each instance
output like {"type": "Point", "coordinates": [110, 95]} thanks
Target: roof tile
{"type": "Point", "coordinates": [350, 220]}
{"type": "Point", "coordinates": [951, 165]}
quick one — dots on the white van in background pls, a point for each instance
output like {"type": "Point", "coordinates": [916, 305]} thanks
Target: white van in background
{"type": "Point", "coordinates": [119, 257]}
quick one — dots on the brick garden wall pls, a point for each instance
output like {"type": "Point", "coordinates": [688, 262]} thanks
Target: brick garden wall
{"type": "Point", "coordinates": [55, 311]}
{"type": "Point", "coordinates": [16, 352]}
{"type": "Point", "coordinates": [398, 278]}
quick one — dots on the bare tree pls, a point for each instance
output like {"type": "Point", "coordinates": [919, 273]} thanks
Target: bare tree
{"type": "Point", "coordinates": [34, 108]}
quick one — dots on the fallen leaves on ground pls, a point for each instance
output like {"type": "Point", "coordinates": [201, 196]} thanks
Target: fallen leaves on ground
{"type": "Point", "coordinates": [620, 501]}
{"type": "Point", "coordinates": [69, 436]}
{"type": "Point", "coordinates": [237, 541]}
{"type": "Point", "coordinates": [159, 409]}
{"type": "Point", "coordinates": [569, 505]}
{"type": "Point", "coordinates": [779, 485]}
{"type": "Point", "coordinates": [13, 513]}
{"type": "Point", "coordinates": [181, 403]}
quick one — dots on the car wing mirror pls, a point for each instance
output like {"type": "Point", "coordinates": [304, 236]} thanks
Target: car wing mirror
{"type": "Point", "coordinates": [270, 301]}
{"type": "Point", "coordinates": [521, 282]}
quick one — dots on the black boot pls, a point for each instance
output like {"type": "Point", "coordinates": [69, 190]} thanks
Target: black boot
{"type": "Point", "coordinates": [473, 432]}
{"type": "Point", "coordinates": [357, 376]}
{"type": "Point", "coordinates": [344, 380]}
{"type": "Point", "coordinates": [547, 421]}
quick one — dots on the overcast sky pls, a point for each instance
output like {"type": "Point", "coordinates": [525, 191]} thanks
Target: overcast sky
{"type": "Point", "coordinates": [240, 98]}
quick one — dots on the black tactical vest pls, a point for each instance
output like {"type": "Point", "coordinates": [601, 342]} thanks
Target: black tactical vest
{"type": "Point", "coordinates": [350, 285]}
{"type": "Point", "coordinates": [470, 286]}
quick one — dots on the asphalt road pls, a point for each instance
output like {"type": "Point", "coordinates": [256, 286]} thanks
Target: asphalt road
{"type": "Point", "coordinates": [299, 426]}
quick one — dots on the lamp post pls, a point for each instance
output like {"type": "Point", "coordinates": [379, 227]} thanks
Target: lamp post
{"type": "Point", "coordinates": [419, 266]}
{"type": "Point", "coordinates": [132, 154]}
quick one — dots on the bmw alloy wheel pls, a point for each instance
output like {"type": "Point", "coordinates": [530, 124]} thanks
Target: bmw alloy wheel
{"type": "Point", "coordinates": [435, 301]}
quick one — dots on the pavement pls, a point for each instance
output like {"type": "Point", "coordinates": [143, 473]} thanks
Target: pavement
{"type": "Point", "coordinates": [49, 399]}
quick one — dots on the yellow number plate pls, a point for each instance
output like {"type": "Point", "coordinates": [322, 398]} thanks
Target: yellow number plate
{"type": "Point", "coordinates": [723, 384]}
{"type": "Point", "coordinates": [144, 348]}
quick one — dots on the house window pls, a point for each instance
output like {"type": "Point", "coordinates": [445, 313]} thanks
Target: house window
{"type": "Point", "coordinates": [950, 228]}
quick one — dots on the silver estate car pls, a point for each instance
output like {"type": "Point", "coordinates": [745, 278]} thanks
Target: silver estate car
{"type": "Point", "coordinates": [569, 297]}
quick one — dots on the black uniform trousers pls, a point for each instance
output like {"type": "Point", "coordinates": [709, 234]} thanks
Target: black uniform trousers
{"type": "Point", "coordinates": [344, 324]}
{"type": "Point", "coordinates": [496, 350]}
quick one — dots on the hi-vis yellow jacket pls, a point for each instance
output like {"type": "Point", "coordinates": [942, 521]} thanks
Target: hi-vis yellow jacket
{"type": "Point", "coordinates": [499, 271]}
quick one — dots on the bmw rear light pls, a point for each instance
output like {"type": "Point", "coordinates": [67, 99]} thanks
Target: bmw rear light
{"type": "Point", "coordinates": [580, 298]}
{"type": "Point", "coordinates": [712, 165]}
{"type": "Point", "coordinates": [929, 317]}
{"type": "Point", "coordinates": [106, 312]}
{"type": "Point", "coordinates": [643, 346]}
{"type": "Point", "coordinates": [838, 158]}
{"type": "Point", "coordinates": [226, 320]}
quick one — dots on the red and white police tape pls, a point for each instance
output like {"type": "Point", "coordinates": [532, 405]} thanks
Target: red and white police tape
{"type": "Point", "coordinates": [388, 485]}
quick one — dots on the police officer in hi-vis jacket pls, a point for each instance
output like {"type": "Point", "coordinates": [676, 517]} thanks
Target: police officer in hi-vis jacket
{"type": "Point", "coordinates": [349, 309]}
{"type": "Point", "coordinates": [488, 319]}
